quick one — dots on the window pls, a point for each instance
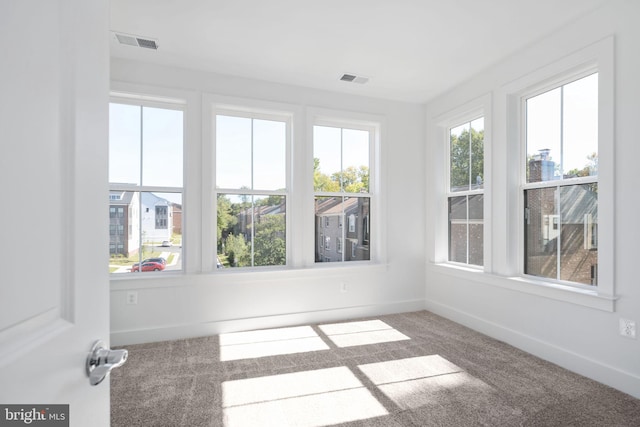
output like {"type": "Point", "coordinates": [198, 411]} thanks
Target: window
{"type": "Point", "coordinates": [561, 183]}
{"type": "Point", "coordinates": [145, 173]}
{"type": "Point", "coordinates": [251, 188]}
{"type": "Point", "coordinates": [342, 158]}
{"type": "Point", "coordinates": [465, 195]}
{"type": "Point", "coordinates": [339, 245]}
{"type": "Point", "coordinates": [162, 216]}
{"type": "Point", "coordinates": [548, 184]}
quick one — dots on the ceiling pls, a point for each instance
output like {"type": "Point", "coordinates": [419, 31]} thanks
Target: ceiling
{"type": "Point", "coordinates": [412, 50]}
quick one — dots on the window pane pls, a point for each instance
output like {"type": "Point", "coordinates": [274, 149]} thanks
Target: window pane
{"type": "Point", "coordinates": [269, 155]}
{"type": "Point", "coordinates": [334, 241]}
{"type": "Point", "coordinates": [234, 232]}
{"type": "Point", "coordinates": [327, 157]}
{"type": "Point", "coordinates": [251, 230]}
{"type": "Point", "coordinates": [580, 127]}
{"type": "Point", "coordinates": [162, 147]}
{"type": "Point", "coordinates": [562, 131]}
{"type": "Point", "coordinates": [233, 152]}
{"type": "Point", "coordinates": [328, 228]}
{"type": "Point", "coordinates": [543, 136]}
{"type": "Point", "coordinates": [145, 227]}
{"type": "Point", "coordinates": [358, 212]}
{"type": "Point", "coordinates": [476, 229]}
{"type": "Point", "coordinates": [269, 230]}
{"type": "Point", "coordinates": [542, 230]}
{"type": "Point", "coordinates": [458, 229]}
{"type": "Point", "coordinates": [355, 160]}
{"type": "Point", "coordinates": [459, 158]}
{"type": "Point", "coordinates": [124, 143]}
{"type": "Point", "coordinates": [579, 233]}
{"type": "Point", "coordinates": [477, 154]}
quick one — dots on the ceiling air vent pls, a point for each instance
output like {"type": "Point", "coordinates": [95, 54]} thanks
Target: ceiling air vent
{"type": "Point", "coordinates": [138, 41]}
{"type": "Point", "coordinates": [352, 78]}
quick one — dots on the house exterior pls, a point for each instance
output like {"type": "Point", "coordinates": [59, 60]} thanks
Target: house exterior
{"type": "Point", "coordinates": [342, 229]}
{"type": "Point", "coordinates": [134, 220]}
{"type": "Point", "coordinates": [573, 227]}
{"type": "Point", "coordinates": [124, 235]}
{"type": "Point", "coordinates": [156, 218]}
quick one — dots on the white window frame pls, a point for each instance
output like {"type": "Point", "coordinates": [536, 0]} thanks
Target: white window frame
{"type": "Point", "coordinates": [477, 114]}
{"type": "Point", "coordinates": [251, 109]}
{"type": "Point", "coordinates": [468, 112]}
{"type": "Point", "coordinates": [504, 219]}
{"type": "Point", "coordinates": [550, 84]}
{"type": "Point", "coordinates": [597, 57]}
{"type": "Point", "coordinates": [375, 126]}
{"type": "Point", "coordinates": [139, 97]}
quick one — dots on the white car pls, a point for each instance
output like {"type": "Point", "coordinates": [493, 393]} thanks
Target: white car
{"type": "Point", "coordinates": [166, 244]}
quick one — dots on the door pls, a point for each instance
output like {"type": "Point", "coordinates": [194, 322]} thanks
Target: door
{"type": "Point", "coordinates": [54, 84]}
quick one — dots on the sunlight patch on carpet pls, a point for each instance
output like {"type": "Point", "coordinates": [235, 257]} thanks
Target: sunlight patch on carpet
{"type": "Point", "coordinates": [422, 381]}
{"type": "Point", "coordinates": [361, 333]}
{"type": "Point", "coordinates": [269, 342]}
{"type": "Point", "coordinates": [303, 399]}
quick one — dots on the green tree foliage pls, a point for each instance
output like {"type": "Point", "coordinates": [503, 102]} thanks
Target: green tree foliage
{"type": "Point", "coordinates": [237, 250]}
{"type": "Point", "coordinates": [354, 180]}
{"type": "Point", "coordinates": [467, 169]}
{"type": "Point", "coordinates": [269, 244]}
{"type": "Point", "coordinates": [322, 182]}
{"type": "Point", "coordinates": [226, 219]}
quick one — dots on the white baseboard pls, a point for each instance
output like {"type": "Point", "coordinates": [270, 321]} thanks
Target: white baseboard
{"type": "Point", "coordinates": [192, 330]}
{"type": "Point", "coordinates": [609, 375]}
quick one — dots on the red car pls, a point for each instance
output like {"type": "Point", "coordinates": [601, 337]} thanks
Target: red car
{"type": "Point", "coordinates": [148, 266]}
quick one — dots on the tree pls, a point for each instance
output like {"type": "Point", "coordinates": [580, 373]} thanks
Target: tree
{"type": "Point", "coordinates": [269, 245]}
{"type": "Point", "coordinates": [237, 251]}
{"type": "Point", "coordinates": [322, 182]}
{"type": "Point", "coordinates": [467, 159]}
{"type": "Point", "coordinates": [591, 168]}
{"type": "Point", "coordinates": [354, 180]}
{"type": "Point", "coordinates": [226, 221]}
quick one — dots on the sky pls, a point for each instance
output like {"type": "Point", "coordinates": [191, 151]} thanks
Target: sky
{"type": "Point", "coordinates": [160, 147]}
{"type": "Point", "coordinates": [575, 136]}
{"type": "Point", "coordinates": [146, 146]}
{"type": "Point", "coordinates": [234, 153]}
{"type": "Point", "coordinates": [330, 142]}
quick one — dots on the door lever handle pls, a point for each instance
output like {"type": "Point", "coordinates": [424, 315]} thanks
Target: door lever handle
{"type": "Point", "coordinates": [102, 360]}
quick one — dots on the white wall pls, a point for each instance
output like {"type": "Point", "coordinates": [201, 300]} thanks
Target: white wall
{"type": "Point", "coordinates": [577, 337]}
{"type": "Point", "coordinates": [196, 304]}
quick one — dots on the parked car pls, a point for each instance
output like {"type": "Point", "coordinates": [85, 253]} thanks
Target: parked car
{"type": "Point", "coordinates": [158, 260]}
{"type": "Point", "coordinates": [166, 244]}
{"type": "Point", "coordinates": [148, 266]}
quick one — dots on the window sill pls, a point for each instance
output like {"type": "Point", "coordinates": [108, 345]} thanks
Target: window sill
{"type": "Point", "coordinates": [239, 275]}
{"type": "Point", "coordinates": [585, 297]}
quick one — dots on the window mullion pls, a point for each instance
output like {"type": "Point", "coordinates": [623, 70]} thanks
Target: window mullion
{"type": "Point", "coordinates": [559, 244]}
{"type": "Point", "coordinates": [141, 243]}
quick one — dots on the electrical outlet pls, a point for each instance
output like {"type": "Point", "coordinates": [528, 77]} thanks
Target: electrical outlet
{"type": "Point", "coordinates": [132, 297]}
{"type": "Point", "coordinates": [628, 328]}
